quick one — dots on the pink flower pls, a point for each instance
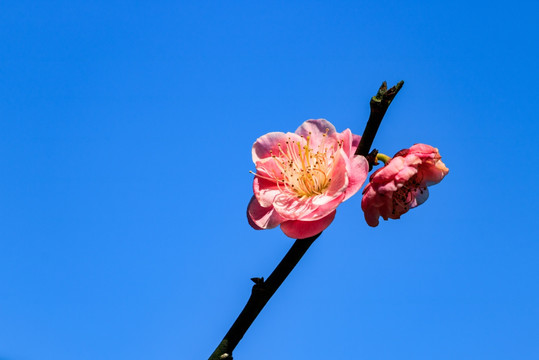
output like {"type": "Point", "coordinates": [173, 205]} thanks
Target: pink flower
{"type": "Point", "coordinates": [302, 177]}
{"type": "Point", "coordinates": [402, 183]}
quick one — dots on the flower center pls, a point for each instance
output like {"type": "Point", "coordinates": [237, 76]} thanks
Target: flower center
{"type": "Point", "coordinates": [303, 171]}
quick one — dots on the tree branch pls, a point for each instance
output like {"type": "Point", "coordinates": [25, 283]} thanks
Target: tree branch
{"type": "Point", "coordinates": [379, 104]}
{"type": "Point", "coordinates": [261, 293]}
{"type": "Point", "coordinates": [263, 290]}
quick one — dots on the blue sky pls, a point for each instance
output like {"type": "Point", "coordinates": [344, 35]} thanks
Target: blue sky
{"type": "Point", "coordinates": [125, 139]}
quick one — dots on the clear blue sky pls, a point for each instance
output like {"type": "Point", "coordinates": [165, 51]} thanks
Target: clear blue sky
{"type": "Point", "coordinates": [125, 139]}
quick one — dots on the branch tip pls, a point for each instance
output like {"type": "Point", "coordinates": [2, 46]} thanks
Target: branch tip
{"type": "Point", "coordinates": [379, 104]}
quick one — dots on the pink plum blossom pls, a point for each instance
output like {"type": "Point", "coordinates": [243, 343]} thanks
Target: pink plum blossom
{"type": "Point", "coordinates": [402, 183]}
{"type": "Point", "coordinates": [302, 177]}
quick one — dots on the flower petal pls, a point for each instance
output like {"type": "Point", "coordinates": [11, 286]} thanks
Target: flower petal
{"type": "Point", "coordinates": [349, 141]}
{"type": "Point", "coordinates": [346, 138]}
{"type": "Point", "coordinates": [423, 150]}
{"type": "Point", "coordinates": [265, 187]}
{"type": "Point", "coordinates": [433, 174]}
{"type": "Point", "coordinates": [265, 191]}
{"type": "Point", "coordinates": [316, 128]}
{"type": "Point", "coordinates": [291, 207]}
{"type": "Point", "coordinates": [420, 196]}
{"type": "Point", "coordinates": [355, 142]}
{"type": "Point", "coordinates": [359, 169]}
{"type": "Point", "coordinates": [262, 217]}
{"type": "Point", "coordinates": [322, 206]}
{"type": "Point", "coordinates": [304, 229]}
{"type": "Point", "coordinates": [405, 173]}
{"type": "Point", "coordinates": [388, 172]}
{"type": "Point", "coordinates": [372, 216]}
{"type": "Point", "coordinates": [339, 173]}
{"type": "Point", "coordinates": [267, 144]}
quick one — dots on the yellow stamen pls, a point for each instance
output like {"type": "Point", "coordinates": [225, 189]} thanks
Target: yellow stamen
{"type": "Point", "coordinates": [301, 169]}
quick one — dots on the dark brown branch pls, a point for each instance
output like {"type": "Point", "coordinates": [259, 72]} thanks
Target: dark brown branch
{"type": "Point", "coordinates": [263, 290]}
{"type": "Point", "coordinates": [379, 104]}
{"type": "Point", "coordinates": [261, 293]}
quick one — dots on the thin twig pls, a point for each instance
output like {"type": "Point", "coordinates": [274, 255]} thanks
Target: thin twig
{"type": "Point", "coordinates": [263, 290]}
